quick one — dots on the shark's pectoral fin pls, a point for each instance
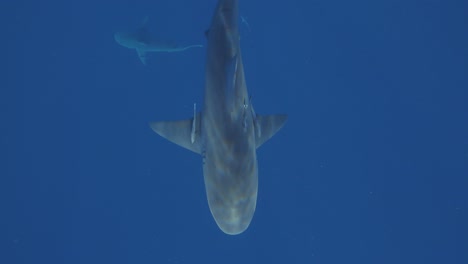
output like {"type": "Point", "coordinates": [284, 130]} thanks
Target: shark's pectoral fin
{"type": "Point", "coordinates": [267, 126]}
{"type": "Point", "coordinates": [185, 133]}
{"type": "Point", "coordinates": [142, 55]}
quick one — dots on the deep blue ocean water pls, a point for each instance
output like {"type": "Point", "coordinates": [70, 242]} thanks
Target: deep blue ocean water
{"type": "Point", "coordinates": [371, 167]}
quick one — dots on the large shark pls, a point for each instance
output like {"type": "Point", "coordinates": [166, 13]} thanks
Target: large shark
{"type": "Point", "coordinates": [227, 131]}
{"type": "Point", "coordinates": [143, 42]}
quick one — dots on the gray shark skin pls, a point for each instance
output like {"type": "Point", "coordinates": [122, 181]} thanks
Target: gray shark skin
{"type": "Point", "coordinates": [227, 131]}
{"type": "Point", "coordinates": [143, 42]}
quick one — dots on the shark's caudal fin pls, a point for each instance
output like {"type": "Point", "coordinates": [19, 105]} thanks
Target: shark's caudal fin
{"type": "Point", "coordinates": [185, 133]}
{"type": "Point", "coordinates": [267, 126]}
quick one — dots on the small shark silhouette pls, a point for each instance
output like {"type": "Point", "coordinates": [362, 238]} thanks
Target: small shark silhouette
{"type": "Point", "coordinates": [143, 42]}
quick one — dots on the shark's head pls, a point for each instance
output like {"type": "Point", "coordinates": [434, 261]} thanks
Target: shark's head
{"type": "Point", "coordinates": [126, 39]}
{"type": "Point", "coordinates": [121, 37]}
{"type": "Point", "coordinates": [232, 194]}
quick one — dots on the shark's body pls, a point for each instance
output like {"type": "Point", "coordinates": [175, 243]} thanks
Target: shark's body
{"type": "Point", "coordinates": [143, 42]}
{"type": "Point", "coordinates": [227, 131]}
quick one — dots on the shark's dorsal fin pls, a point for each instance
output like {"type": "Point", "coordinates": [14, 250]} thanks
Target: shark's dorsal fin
{"type": "Point", "coordinates": [267, 126]}
{"type": "Point", "coordinates": [181, 132]}
{"type": "Point", "coordinates": [143, 34]}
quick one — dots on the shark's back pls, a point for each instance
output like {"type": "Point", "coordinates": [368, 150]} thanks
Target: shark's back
{"type": "Point", "coordinates": [228, 131]}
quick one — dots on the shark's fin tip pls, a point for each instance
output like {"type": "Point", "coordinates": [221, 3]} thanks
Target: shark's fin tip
{"type": "Point", "coordinates": [267, 126]}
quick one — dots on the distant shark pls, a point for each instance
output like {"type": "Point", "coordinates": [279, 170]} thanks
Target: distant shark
{"type": "Point", "coordinates": [143, 42]}
{"type": "Point", "coordinates": [227, 132]}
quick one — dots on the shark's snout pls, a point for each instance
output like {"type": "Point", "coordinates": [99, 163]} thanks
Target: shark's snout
{"type": "Point", "coordinates": [125, 39]}
{"type": "Point", "coordinates": [118, 37]}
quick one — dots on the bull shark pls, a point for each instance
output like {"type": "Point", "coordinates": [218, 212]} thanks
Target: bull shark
{"type": "Point", "coordinates": [227, 131]}
{"type": "Point", "coordinates": [143, 42]}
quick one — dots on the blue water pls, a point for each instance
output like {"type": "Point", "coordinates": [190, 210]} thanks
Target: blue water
{"type": "Point", "coordinates": [371, 167]}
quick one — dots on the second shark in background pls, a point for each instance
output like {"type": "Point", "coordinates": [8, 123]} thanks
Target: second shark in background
{"type": "Point", "coordinates": [143, 42]}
